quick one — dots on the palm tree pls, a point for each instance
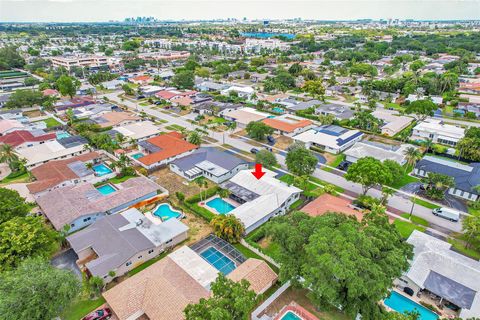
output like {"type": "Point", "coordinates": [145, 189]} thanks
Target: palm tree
{"type": "Point", "coordinates": [228, 227]}
{"type": "Point", "coordinates": [412, 155]}
{"type": "Point", "coordinates": [89, 165]}
{"type": "Point", "coordinates": [201, 183]}
{"type": "Point", "coordinates": [8, 156]}
{"type": "Point", "coordinates": [195, 138]}
{"type": "Point", "coordinates": [224, 193]}
{"type": "Point", "coordinates": [428, 145]}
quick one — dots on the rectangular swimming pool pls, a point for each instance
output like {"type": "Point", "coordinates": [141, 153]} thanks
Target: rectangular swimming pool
{"type": "Point", "coordinates": [402, 304]}
{"type": "Point", "coordinates": [138, 155]}
{"type": "Point", "coordinates": [289, 315]}
{"type": "Point", "coordinates": [217, 259]}
{"type": "Point", "coordinates": [220, 205]}
{"type": "Point", "coordinates": [106, 189]}
{"type": "Point", "coordinates": [101, 170]}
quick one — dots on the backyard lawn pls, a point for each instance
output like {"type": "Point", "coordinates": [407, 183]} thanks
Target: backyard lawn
{"type": "Point", "coordinates": [51, 122]}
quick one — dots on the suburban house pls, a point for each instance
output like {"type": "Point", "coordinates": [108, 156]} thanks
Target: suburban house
{"type": "Point", "coordinates": [74, 103]}
{"type": "Point", "coordinates": [93, 110]}
{"type": "Point", "coordinates": [209, 162]}
{"type": "Point", "coordinates": [115, 119]}
{"type": "Point", "coordinates": [162, 149]}
{"type": "Point", "coordinates": [392, 122]}
{"type": "Point", "coordinates": [136, 131]}
{"type": "Point", "coordinates": [438, 132]}
{"type": "Point", "coordinates": [112, 84]}
{"type": "Point", "coordinates": [244, 116]}
{"type": "Point", "coordinates": [437, 270]}
{"type": "Point", "coordinates": [466, 176]}
{"type": "Point", "coordinates": [20, 139]}
{"type": "Point", "coordinates": [242, 92]}
{"type": "Point", "coordinates": [260, 199]}
{"type": "Point", "coordinates": [415, 97]}
{"type": "Point", "coordinates": [293, 105]}
{"type": "Point", "coordinates": [122, 241]}
{"type": "Point", "coordinates": [61, 173]}
{"type": "Point", "coordinates": [215, 107]}
{"type": "Point", "coordinates": [377, 150]}
{"type": "Point", "coordinates": [288, 125]}
{"type": "Point", "coordinates": [331, 138]}
{"type": "Point", "coordinates": [183, 277]}
{"type": "Point", "coordinates": [141, 80]}
{"type": "Point", "coordinates": [13, 114]}
{"type": "Point", "coordinates": [53, 150]}
{"type": "Point", "coordinates": [150, 90]}
{"type": "Point", "coordinates": [209, 86]}
{"type": "Point", "coordinates": [82, 204]}
{"type": "Point", "coordinates": [339, 111]}
{"type": "Point", "coordinates": [171, 94]}
{"type": "Point", "coordinates": [7, 126]}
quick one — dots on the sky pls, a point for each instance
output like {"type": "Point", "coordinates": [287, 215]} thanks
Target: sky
{"type": "Point", "coordinates": [105, 10]}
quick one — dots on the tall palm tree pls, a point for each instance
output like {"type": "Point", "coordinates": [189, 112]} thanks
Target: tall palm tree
{"type": "Point", "coordinates": [412, 155]}
{"type": "Point", "coordinates": [8, 156]}
{"type": "Point", "coordinates": [201, 182]}
{"type": "Point", "coordinates": [195, 138]}
{"type": "Point", "coordinates": [228, 227]}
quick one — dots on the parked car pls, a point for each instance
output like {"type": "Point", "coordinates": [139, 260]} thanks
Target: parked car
{"type": "Point", "coordinates": [158, 102]}
{"type": "Point", "coordinates": [254, 150]}
{"type": "Point", "coordinates": [141, 97]}
{"type": "Point", "coordinates": [447, 213]}
{"type": "Point", "coordinates": [100, 314]}
{"type": "Point", "coordinates": [344, 165]}
{"type": "Point", "coordinates": [269, 149]}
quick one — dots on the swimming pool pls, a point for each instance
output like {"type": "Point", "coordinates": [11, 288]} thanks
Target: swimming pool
{"type": "Point", "coordinates": [220, 205]}
{"type": "Point", "coordinates": [101, 170]}
{"type": "Point", "coordinates": [62, 135]}
{"type": "Point", "coordinates": [402, 304]}
{"type": "Point", "coordinates": [106, 189]}
{"type": "Point", "coordinates": [289, 315]}
{"type": "Point", "coordinates": [137, 156]}
{"type": "Point", "coordinates": [165, 212]}
{"type": "Point", "coordinates": [217, 259]}
{"type": "Point", "coordinates": [278, 110]}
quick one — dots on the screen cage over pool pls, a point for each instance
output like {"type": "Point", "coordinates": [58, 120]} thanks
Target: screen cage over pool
{"type": "Point", "coordinates": [221, 245]}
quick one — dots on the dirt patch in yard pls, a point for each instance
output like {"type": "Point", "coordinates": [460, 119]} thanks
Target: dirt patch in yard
{"type": "Point", "coordinates": [384, 140]}
{"type": "Point", "coordinates": [33, 113]}
{"type": "Point", "coordinates": [199, 228]}
{"type": "Point", "coordinates": [243, 133]}
{"type": "Point", "coordinates": [264, 242]}
{"type": "Point", "coordinates": [174, 183]}
{"type": "Point", "coordinates": [282, 142]}
{"type": "Point", "coordinates": [330, 157]}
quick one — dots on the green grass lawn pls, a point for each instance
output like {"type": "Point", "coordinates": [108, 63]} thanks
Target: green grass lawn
{"type": "Point", "coordinates": [395, 106]}
{"type": "Point", "coordinates": [24, 177]}
{"type": "Point", "coordinates": [460, 246]}
{"type": "Point", "coordinates": [403, 181]}
{"type": "Point", "coordinates": [425, 204]}
{"type": "Point", "coordinates": [448, 110]}
{"type": "Point", "coordinates": [116, 180]}
{"type": "Point", "coordinates": [51, 122]}
{"type": "Point", "coordinates": [406, 228]}
{"type": "Point", "coordinates": [416, 220]}
{"type": "Point", "coordinates": [81, 308]}
{"type": "Point", "coordinates": [145, 104]}
{"type": "Point", "coordinates": [174, 127]}
{"type": "Point", "coordinates": [335, 162]}
{"type": "Point", "coordinates": [250, 254]}
{"type": "Point", "coordinates": [296, 204]}
{"type": "Point", "coordinates": [473, 211]}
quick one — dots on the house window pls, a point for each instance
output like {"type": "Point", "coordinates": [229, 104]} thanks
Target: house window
{"type": "Point", "coordinates": [150, 251]}
{"type": "Point", "coordinates": [140, 257]}
{"type": "Point", "coordinates": [72, 225]}
{"type": "Point", "coordinates": [128, 263]}
{"type": "Point", "coordinates": [169, 241]}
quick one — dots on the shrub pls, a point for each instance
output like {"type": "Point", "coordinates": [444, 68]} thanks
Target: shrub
{"type": "Point", "coordinates": [205, 194]}
{"type": "Point", "coordinates": [366, 201]}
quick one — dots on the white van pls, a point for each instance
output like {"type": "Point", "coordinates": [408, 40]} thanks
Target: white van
{"type": "Point", "coordinates": [447, 213]}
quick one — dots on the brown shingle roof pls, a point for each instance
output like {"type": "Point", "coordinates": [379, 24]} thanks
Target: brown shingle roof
{"type": "Point", "coordinates": [116, 118]}
{"type": "Point", "coordinates": [161, 292]}
{"type": "Point", "coordinates": [328, 203]}
{"type": "Point", "coordinates": [257, 273]}
{"type": "Point", "coordinates": [55, 172]}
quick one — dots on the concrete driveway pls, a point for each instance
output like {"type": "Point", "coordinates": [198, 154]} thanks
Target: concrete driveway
{"type": "Point", "coordinates": [449, 200]}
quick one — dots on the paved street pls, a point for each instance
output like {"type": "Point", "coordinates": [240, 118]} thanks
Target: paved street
{"type": "Point", "coordinates": [399, 202]}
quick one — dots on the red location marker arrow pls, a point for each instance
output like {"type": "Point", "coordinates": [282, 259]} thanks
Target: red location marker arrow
{"type": "Point", "coordinates": [258, 173]}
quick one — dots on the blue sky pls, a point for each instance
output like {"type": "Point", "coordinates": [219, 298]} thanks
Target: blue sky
{"type": "Point", "coordinates": [104, 10]}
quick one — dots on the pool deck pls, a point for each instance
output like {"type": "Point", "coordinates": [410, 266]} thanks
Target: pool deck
{"type": "Point", "coordinates": [203, 204]}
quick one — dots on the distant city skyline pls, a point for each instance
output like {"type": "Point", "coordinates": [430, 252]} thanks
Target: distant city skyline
{"type": "Point", "coordinates": [106, 10]}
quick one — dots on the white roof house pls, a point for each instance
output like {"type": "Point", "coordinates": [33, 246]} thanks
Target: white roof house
{"type": "Point", "coordinates": [378, 151]}
{"type": "Point", "coordinates": [438, 132]}
{"type": "Point", "coordinates": [138, 130]}
{"type": "Point", "coordinates": [446, 273]}
{"type": "Point", "coordinates": [331, 138]}
{"type": "Point", "coordinates": [435, 99]}
{"type": "Point", "coordinates": [393, 122]}
{"type": "Point", "coordinates": [262, 198]}
{"type": "Point", "coordinates": [245, 115]}
{"type": "Point", "coordinates": [52, 150]}
{"type": "Point", "coordinates": [243, 92]}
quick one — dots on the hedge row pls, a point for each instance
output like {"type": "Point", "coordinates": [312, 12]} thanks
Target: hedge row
{"type": "Point", "coordinates": [205, 195]}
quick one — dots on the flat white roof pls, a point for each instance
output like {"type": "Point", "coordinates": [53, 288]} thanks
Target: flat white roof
{"type": "Point", "coordinates": [138, 130]}
{"type": "Point", "coordinates": [47, 151]}
{"type": "Point", "coordinates": [437, 127]}
{"type": "Point", "coordinates": [323, 138]}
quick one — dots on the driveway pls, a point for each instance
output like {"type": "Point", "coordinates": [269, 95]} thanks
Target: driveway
{"type": "Point", "coordinates": [67, 261]}
{"type": "Point", "coordinates": [449, 200]}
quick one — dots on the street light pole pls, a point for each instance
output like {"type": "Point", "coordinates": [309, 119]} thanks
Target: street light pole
{"type": "Point", "coordinates": [413, 205]}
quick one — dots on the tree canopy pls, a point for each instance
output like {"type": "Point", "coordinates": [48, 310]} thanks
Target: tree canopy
{"type": "Point", "coordinates": [24, 99]}
{"type": "Point", "coordinates": [258, 130]}
{"type": "Point", "coordinates": [67, 85]}
{"type": "Point", "coordinates": [184, 79]}
{"type": "Point", "coordinates": [421, 108]}
{"type": "Point", "coordinates": [229, 301]}
{"type": "Point", "coordinates": [469, 145]}
{"type": "Point", "coordinates": [10, 58]}
{"type": "Point", "coordinates": [266, 158]}
{"type": "Point", "coordinates": [12, 205]}
{"type": "Point", "coordinates": [300, 161]}
{"type": "Point", "coordinates": [344, 262]}
{"type": "Point", "coordinates": [369, 172]}
{"type": "Point", "coordinates": [36, 290]}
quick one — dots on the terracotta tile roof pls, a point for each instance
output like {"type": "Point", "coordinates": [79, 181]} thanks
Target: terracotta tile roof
{"type": "Point", "coordinates": [328, 203]}
{"type": "Point", "coordinates": [160, 292]}
{"type": "Point", "coordinates": [170, 94]}
{"type": "Point", "coordinates": [142, 78]}
{"type": "Point", "coordinates": [171, 144]}
{"type": "Point", "coordinates": [54, 172]}
{"type": "Point", "coordinates": [257, 273]}
{"type": "Point", "coordinates": [18, 137]}
{"type": "Point", "coordinates": [50, 92]}
{"type": "Point", "coordinates": [286, 126]}
{"type": "Point", "coordinates": [115, 118]}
